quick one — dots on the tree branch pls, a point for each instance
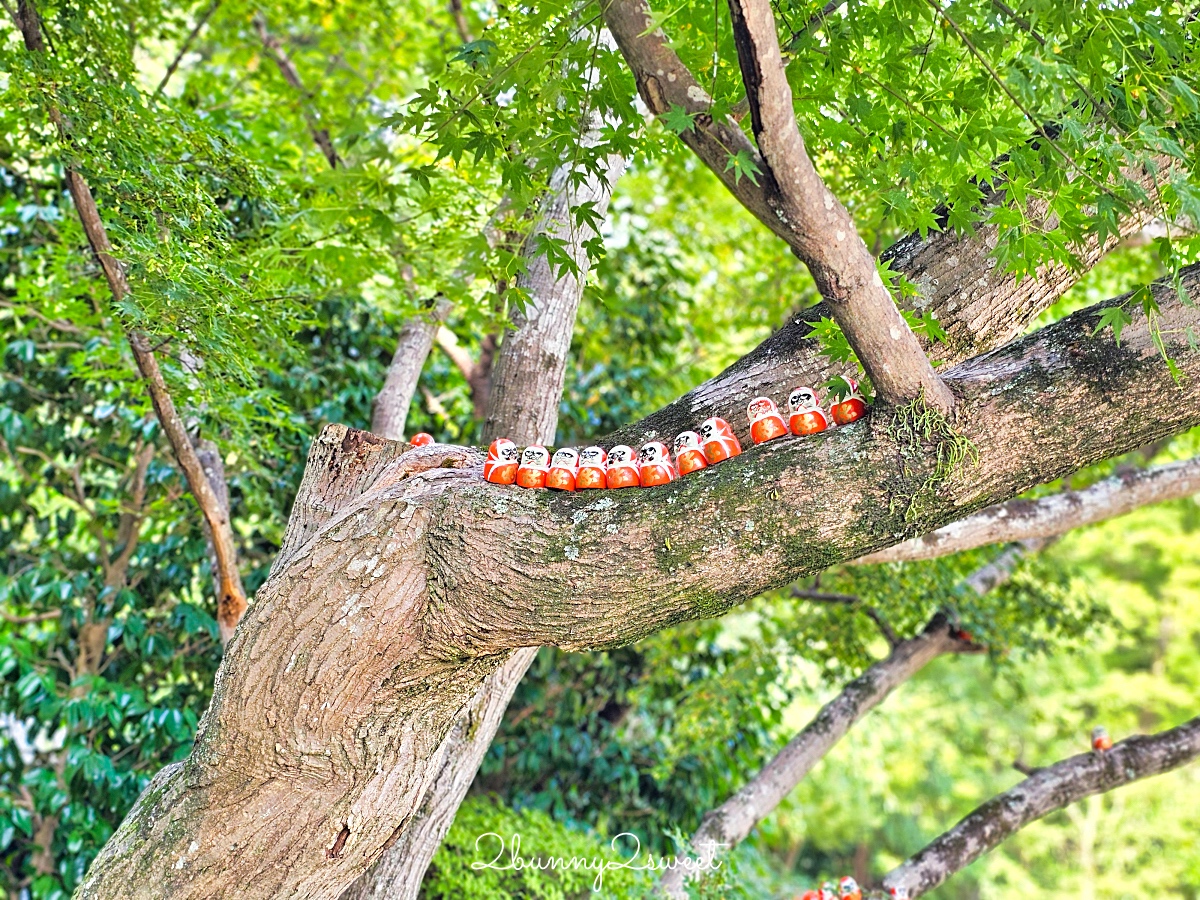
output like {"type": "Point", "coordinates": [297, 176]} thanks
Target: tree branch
{"type": "Point", "coordinates": [231, 597]}
{"type": "Point", "coordinates": [1043, 792]}
{"type": "Point", "coordinates": [829, 244]}
{"type": "Point", "coordinates": [319, 132]}
{"type": "Point", "coordinates": [390, 412]}
{"type": "Point", "coordinates": [979, 305]}
{"type": "Point", "coordinates": [733, 820]}
{"type": "Point", "coordinates": [187, 45]}
{"type": "Point", "coordinates": [1046, 517]}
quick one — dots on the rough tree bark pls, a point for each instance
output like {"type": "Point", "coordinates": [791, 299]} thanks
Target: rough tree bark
{"type": "Point", "coordinates": [528, 385]}
{"type": "Point", "coordinates": [532, 361]}
{"type": "Point", "coordinates": [315, 754]}
{"type": "Point", "coordinates": [1043, 792]}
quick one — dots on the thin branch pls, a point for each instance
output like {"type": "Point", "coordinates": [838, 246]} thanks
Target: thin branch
{"type": "Point", "coordinates": [1043, 792]}
{"type": "Point", "coordinates": [231, 597]}
{"type": "Point", "coordinates": [291, 75]}
{"type": "Point", "coordinates": [460, 21]}
{"type": "Point", "coordinates": [1024, 520]}
{"type": "Point", "coordinates": [186, 46]}
{"type": "Point", "coordinates": [31, 618]}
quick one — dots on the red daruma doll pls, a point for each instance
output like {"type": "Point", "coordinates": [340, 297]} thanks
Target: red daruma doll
{"type": "Point", "coordinates": [535, 466]}
{"type": "Point", "coordinates": [563, 469]}
{"type": "Point", "coordinates": [851, 406]}
{"type": "Point", "coordinates": [805, 415]}
{"type": "Point", "coordinates": [718, 440]}
{"type": "Point", "coordinates": [500, 467]}
{"type": "Point", "coordinates": [622, 468]}
{"type": "Point", "coordinates": [766, 423]}
{"type": "Point", "coordinates": [654, 464]}
{"type": "Point", "coordinates": [593, 469]}
{"type": "Point", "coordinates": [689, 456]}
{"type": "Point", "coordinates": [422, 439]}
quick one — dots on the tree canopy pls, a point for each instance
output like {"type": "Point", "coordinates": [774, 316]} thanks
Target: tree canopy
{"type": "Point", "coordinates": [222, 223]}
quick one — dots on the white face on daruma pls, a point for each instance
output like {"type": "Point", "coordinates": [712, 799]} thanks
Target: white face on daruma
{"type": "Point", "coordinates": [592, 456]}
{"type": "Point", "coordinates": [566, 458]}
{"type": "Point", "coordinates": [803, 398]}
{"type": "Point", "coordinates": [654, 452]}
{"type": "Point", "coordinates": [760, 408]}
{"type": "Point", "coordinates": [711, 429]}
{"type": "Point", "coordinates": [506, 451]}
{"type": "Point", "coordinates": [687, 440]}
{"type": "Point", "coordinates": [620, 455]}
{"type": "Point", "coordinates": [535, 457]}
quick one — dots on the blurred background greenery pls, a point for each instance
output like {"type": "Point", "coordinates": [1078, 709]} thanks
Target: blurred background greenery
{"type": "Point", "coordinates": [289, 279]}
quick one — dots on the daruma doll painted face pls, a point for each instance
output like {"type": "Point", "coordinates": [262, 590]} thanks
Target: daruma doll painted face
{"type": "Point", "coordinates": [593, 469]}
{"type": "Point", "coordinates": [500, 467]}
{"type": "Point", "coordinates": [563, 469]}
{"type": "Point", "coordinates": [622, 468]}
{"type": "Point", "coordinates": [654, 464]}
{"type": "Point", "coordinates": [766, 423]}
{"type": "Point", "coordinates": [689, 455]}
{"type": "Point", "coordinates": [535, 466]}
{"type": "Point", "coordinates": [718, 440]}
{"type": "Point", "coordinates": [805, 415]}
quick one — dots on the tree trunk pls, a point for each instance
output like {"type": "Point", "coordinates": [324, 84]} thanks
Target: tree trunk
{"type": "Point", "coordinates": [406, 580]}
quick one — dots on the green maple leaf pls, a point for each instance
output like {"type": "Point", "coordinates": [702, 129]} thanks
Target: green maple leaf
{"type": "Point", "coordinates": [742, 163]}
{"type": "Point", "coordinates": [678, 119]}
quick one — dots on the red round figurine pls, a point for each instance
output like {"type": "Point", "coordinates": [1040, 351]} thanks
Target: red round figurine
{"type": "Point", "coordinates": [500, 467]}
{"type": "Point", "coordinates": [850, 407]}
{"type": "Point", "coordinates": [654, 464]}
{"type": "Point", "coordinates": [898, 893]}
{"type": "Point", "coordinates": [1100, 739]}
{"type": "Point", "coordinates": [718, 440]}
{"type": "Point", "coordinates": [689, 455]}
{"type": "Point", "coordinates": [564, 467]}
{"type": "Point", "coordinates": [593, 469]}
{"type": "Point", "coordinates": [535, 466]}
{"type": "Point", "coordinates": [766, 423]}
{"type": "Point", "coordinates": [849, 889]}
{"type": "Point", "coordinates": [422, 439]}
{"type": "Point", "coordinates": [622, 468]}
{"type": "Point", "coordinates": [805, 415]}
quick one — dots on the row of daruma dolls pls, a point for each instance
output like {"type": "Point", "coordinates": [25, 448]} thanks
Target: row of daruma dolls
{"type": "Point", "coordinates": [714, 442]}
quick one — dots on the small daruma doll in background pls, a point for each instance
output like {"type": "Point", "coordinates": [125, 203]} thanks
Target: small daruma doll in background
{"type": "Point", "coordinates": [848, 889]}
{"type": "Point", "coordinates": [500, 467]}
{"type": "Point", "coordinates": [622, 468]}
{"type": "Point", "coordinates": [718, 440]}
{"type": "Point", "coordinates": [805, 415]}
{"type": "Point", "coordinates": [689, 455]}
{"type": "Point", "coordinates": [535, 466]}
{"type": "Point", "coordinates": [1100, 739]}
{"type": "Point", "coordinates": [850, 407]}
{"type": "Point", "coordinates": [654, 464]}
{"type": "Point", "coordinates": [766, 423]}
{"type": "Point", "coordinates": [563, 469]}
{"type": "Point", "coordinates": [421, 439]}
{"type": "Point", "coordinates": [593, 469]}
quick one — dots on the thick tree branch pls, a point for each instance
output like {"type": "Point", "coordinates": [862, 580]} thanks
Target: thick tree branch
{"type": "Point", "coordinates": [829, 243]}
{"type": "Point", "coordinates": [231, 597]}
{"type": "Point", "coordinates": [1023, 520]}
{"type": "Point", "coordinates": [390, 413]}
{"type": "Point", "coordinates": [1043, 792]}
